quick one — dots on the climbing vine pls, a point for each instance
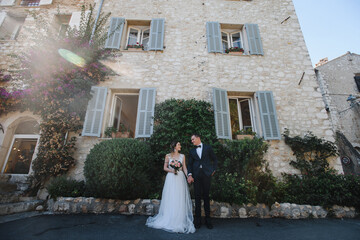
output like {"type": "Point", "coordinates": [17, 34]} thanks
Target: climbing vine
{"type": "Point", "coordinates": [59, 71]}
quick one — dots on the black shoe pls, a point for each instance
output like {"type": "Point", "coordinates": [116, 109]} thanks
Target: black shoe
{"type": "Point", "coordinates": [197, 223]}
{"type": "Point", "coordinates": [208, 223]}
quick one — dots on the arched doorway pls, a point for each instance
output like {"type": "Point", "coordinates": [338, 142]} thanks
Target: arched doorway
{"type": "Point", "coordinates": [22, 148]}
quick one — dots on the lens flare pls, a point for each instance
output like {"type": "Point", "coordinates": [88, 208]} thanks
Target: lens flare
{"type": "Point", "coordinates": [72, 57]}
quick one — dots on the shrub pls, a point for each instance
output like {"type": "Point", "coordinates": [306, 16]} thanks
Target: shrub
{"type": "Point", "coordinates": [324, 189]}
{"type": "Point", "coordinates": [63, 187]}
{"type": "Point", "coordinates": [119, 168]}
{"type": "Point", "coordinates": [246, 159]}
{"type": "Point", "coordinates": [232, 189]}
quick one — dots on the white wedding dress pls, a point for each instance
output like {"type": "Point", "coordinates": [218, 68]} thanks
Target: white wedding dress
{"type": "Point", "coordinates": [175, 213]}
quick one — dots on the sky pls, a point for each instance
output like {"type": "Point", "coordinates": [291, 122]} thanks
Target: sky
{"type": "Point", "coordinates": [330, 27]}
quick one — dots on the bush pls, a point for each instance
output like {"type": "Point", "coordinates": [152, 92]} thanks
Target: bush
{"type": "Point", "coordinates": [63, 187]}
{"type": "Point", "coordinates": [324, 189]}
{"type": "Point", "coordinates": [246, 159]}
{"type": "Point", "coordinates": [232, 189]}
{"type": "Point", "coordinates": [119, 168]}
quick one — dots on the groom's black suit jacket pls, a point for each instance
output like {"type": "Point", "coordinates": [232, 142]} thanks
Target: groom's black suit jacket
{"type": "Point", "coordinates": [208, 161]}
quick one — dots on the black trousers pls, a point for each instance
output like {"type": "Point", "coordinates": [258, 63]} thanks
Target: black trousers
{"type": "Point", "coordinates": [201, 190]}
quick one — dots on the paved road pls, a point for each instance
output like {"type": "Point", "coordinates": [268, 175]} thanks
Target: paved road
{"type": "Point", "coordinates": [111, 226]}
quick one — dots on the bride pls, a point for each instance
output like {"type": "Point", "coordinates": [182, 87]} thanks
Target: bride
{"type": "Point", "coordinates": [175, 213]}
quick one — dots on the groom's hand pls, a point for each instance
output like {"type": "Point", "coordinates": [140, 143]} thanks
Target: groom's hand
{"type": "Point", "coordinates": [190, 179]}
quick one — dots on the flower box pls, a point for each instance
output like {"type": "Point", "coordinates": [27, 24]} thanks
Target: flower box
{"type": "Point", "coordinates": [241, 137]}
{"type": "Point", "coordinates": [236, 53]}
{"type": "Point", "coordinates": [135, 49]}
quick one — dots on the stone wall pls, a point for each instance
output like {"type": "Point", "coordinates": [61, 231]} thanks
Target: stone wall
{"type": "Point", "coordinates": [218, 209]}
{"type": "Point", "coordinates": [185, 69]}
{"type": "Point", "coordinates": [337, 79]}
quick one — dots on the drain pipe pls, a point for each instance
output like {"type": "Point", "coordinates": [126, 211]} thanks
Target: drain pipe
{"type": "Point", "coordinates": [97, 17]}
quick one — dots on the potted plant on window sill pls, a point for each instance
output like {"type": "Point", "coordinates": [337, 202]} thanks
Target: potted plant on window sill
{"type": "Point", "coordinates": [136, 47]}
{"type": "Point", "coordinates": [244, 133]}
{"type": "Point", "coordinates": [234, 51]}
{"type": "Point", "coordinates": [124, 132]}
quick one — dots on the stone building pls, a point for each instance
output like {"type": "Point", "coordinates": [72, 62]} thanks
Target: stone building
{"type": "Point", "coordinates": [268, 86]}
{"type": "Point", "coordinates": [338, 79]}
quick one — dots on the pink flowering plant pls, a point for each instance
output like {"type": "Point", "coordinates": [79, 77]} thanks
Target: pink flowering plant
{"type": "Point", "coordinates": [234, 49]}
{"type": "Point", "coordinates": [137, 45]}
{"type": "Point", "coordinates": [176, 165]}
{"type": "Point", "coordinates": [58, 89]}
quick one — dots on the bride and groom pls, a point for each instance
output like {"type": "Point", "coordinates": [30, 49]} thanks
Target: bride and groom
{"type": "Point", "coordinates": [175, 212]}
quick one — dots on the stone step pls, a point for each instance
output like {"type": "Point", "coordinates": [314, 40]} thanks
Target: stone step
{"type": "Point", "coordinates": [11, 208]}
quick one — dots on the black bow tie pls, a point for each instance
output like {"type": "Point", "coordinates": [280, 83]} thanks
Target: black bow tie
{"type": "Point", "coordinates": [198, 146]}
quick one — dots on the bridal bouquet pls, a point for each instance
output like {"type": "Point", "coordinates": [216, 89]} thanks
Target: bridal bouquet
{"type": "Point", "coordinates": [176, 165]}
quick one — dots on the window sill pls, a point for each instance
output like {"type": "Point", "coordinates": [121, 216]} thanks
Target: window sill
{"type": "Point", "coordinates": [236, 53]}
{"type": "Point", "coordinates": [134, 50]}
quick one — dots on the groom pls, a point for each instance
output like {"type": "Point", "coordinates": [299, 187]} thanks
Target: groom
{"type": "Point", "coordinates": [201, 166]}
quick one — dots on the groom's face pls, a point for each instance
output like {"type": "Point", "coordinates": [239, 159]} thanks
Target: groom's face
{"type": "Point", "coordinates": [195, 140]}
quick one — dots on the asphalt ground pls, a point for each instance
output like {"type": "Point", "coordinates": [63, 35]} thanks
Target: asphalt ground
{"type": "Point", "coordinates": [114, 226]}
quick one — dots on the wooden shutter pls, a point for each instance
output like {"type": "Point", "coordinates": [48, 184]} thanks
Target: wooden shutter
{"type": "Point", "coordinates": [115, 32]}
{"type": "Point", "coordinates": [95, 112]}
{"type": "Point", "coordinates": [7, 2]}
{"type": "Point", "coordinates": [221, 112]}
{"type": "Point", "coordinates": [213, 35]}
{"type": "Point", "coordinates": [45, 2]}
{"type": "Point", "coordinates": [269, 122]}
{"type": "Point", "coordinates": [157, 29]}
{"type": "Point", "coordinates": [253, 35]}
{"type": "Point", "coordinates": [145, 113]}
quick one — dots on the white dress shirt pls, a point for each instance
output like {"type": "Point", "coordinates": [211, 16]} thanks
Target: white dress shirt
{"type": "Point", "coordinates": [199, 151]}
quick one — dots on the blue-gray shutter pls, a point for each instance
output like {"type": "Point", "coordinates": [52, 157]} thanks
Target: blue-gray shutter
{"type": "Point", "coordinates": [95, 112]}
{"type": "Point", "coordinates": [269, 122]}
{"type": "Point", "coordinates": [213, 34]}
{"type": "Point", "coordinates": [253, 35]}
{"type": "Point", "coordinates": [221, 113]}
{"type": "Point", "coordinates": [114, 34]}
{"type": "Point", "coordinates": [145, 113]}
{"type": "Point", "coordinates": [156, 41]}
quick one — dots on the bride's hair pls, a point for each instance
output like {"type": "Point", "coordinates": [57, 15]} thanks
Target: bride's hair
{"type": "Point", "coordinates": [173, 145]}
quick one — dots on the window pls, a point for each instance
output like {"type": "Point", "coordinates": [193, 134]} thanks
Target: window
{"type": "Point", "coordinates": [30, 3]}
{"type": "Point", "coordinates": [221, 37]}
{"type": "Point", "coordinates": [124, 112]}
{"type": "Point", "coordinates": [140, 34]}
{"type": "Point", "coordinates": [357, 81]}
{"type": "Point", "coordinates": [10, 26]}
{"type": "Point", "coordinates": [241, 114]}
{"type": "Point", "coordinates": [129, 109]}
{"type": "Point", "coordinates": [22, 149]}
{"type": "Point", "coordinates": [61, 24]}
{"type": "Point", "coordinates": [231, 38]}
{"type": "Point", "coordinates": [236, 111]}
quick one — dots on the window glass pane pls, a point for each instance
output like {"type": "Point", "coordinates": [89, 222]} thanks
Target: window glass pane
{"type": "Point", "coordinates": [236, 40]}
{"type": "Point", "coordinates": [117, 113]}
{"type": "Point", "coordinates": [133, 36]}
{"type": "Point", "coordinates": [245, 113]}
{"type": "Point", "coordinates": [20, 156]}
{"type": "Point", "coordinates": [145, 39]}
{"type": "Point", "coordinates": [234, 116]}
{"type": "Point", "coordinates": [224, 41]}
{"type": "Point", "coordinates": [30, 3]}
